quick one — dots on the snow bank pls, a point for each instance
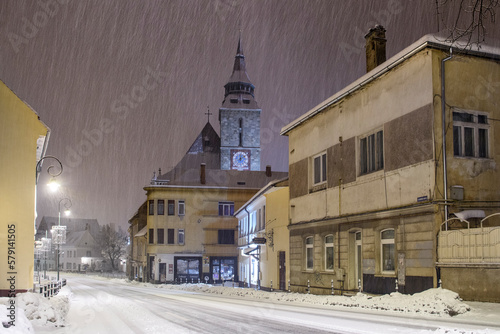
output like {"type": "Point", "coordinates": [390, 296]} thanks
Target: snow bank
{"type": "Point", "coordinates": [37, 309]}
{"type": "Point", "coordinates": [22, 324]}
{"type": "Point", "coordinates": [438, 301]}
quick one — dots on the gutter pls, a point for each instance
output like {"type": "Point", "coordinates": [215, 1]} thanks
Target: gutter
{"type": "Point", "coordinates": [443, 125]}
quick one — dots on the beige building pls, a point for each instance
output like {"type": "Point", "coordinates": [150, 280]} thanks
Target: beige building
{"type": "Point", "coordinates": [263, 238]}
{"type": "Point", "coordinates": [373, 204]}
{"type": "Point", "coordinates": [23, 141]}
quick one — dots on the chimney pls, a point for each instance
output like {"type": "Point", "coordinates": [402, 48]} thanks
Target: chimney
{"type": "Point", "coordinates": [203, 178]}
{"type": "Point", "coordinates": [375, 47]}
{"type": "Point", "coordinates": [268, 171]}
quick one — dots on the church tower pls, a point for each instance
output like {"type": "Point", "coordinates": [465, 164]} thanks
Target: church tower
{"type": "Point", "coordinates": [239, 119]}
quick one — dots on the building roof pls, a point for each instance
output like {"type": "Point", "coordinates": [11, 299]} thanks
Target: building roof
{"type": "Point", "coordinates": [216, 178]}
{"type": "Point", "coordinates": [427, 41]}
{"type": "Point", "coordinates": [72, 224]}
{"type": "Point", "coordinates": [273, 184]}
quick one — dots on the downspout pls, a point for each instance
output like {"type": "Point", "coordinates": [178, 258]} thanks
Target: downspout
{"type": "Point", "coordinates": [445, 173]}
{"type": "Point", "coordinates": [248, 243]}
{"type": "Point", "coordinates": [443, 120]}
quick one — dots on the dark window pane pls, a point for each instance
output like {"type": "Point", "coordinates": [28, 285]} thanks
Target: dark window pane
{"type": "Point", "coordinates": [226, 237]}
{"type": "Point", "coordinates": [388, 257]}
{"type": "Point", "coordinates": [161, 236]}
{"type": "Point", "coordinates": [329, 258]}
{"type": "Point", "coordinates": [309, 255]}
{"type": "Point", "coordinates": [363, 157]}
{"type": "Point", "coordinates": [483, 143]}
{"type": "Point", "coordinates": [482, 119]}
{"type": "Point", "coordinates": [323, 167]}
{"type": "Point", "coordinates": [371, 153]}
{"type": "Point", "coordinates": [469, 142]}
{"type": "Point", "coordinates": [151, 207]}
{"type": "Point", "coordinates": [380, 150]}
{"type": "Point", "coordinates": [170, 236]}
{"type": "Point", "coordinates": [151, 236]}
{"type": "Point", "coordinates": [221, 209]}
{"type": "Point", "coordinates": [457, 140]}
{"type": "Point", "coordinates": [317, 163]}
{"type": "Point", "coordinates": [171, 207]}
{"type": "Point", "coordinates": [161, 207]}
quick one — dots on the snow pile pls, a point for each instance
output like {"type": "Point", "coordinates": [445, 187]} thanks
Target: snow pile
{"type": "Point", "coordinates": [438, 301]}
{"type": "Point", "coordinates": [21, 325]}
{"type": "Point", "coordinates": [39, 310]}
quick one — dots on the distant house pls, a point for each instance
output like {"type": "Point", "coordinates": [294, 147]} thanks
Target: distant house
{"type": "Point", "coordinates": [368, 177]}
{"type": "Point", "coordinates": [137, 260]}
{"type": "Point", "coordinates": [80, 252]}
{"type": "Point", "coordinates": [81, 244]}
{"type": "Point", "coordinates": [263, 238]}
{"type": "Point", "coordinates": [24, 139]}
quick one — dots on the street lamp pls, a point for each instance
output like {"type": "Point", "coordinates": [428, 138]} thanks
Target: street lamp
{"type": "Point", "coordinates": [53, 185]}
{"type": "Point", "coordinates": [61, 235]}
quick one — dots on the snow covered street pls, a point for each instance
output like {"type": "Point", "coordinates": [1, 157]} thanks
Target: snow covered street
{"type": "Point", "coordinates": [100, 305]}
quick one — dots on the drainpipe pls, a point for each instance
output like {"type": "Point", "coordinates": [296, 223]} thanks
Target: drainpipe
{"type": "Point", "coordinates": [248, 243]}
{"type": "Point", "coordinates": [443, 115]}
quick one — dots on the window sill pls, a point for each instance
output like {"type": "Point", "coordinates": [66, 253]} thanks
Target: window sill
{"type": "Point", "coordinates": [387, 274]}
{"type": "Point", "coordinates": [318, 187]}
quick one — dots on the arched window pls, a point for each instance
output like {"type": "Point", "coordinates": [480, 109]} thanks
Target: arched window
{"type": "Point", "coordinates": [329, 252]}
{"type": "Point", "coordinates": [387, 253]}
{"type": "Point", "coordinates": [309, 253]}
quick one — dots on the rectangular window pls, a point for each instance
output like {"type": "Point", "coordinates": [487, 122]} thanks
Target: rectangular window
{"type": "Point", "coordinates": [151, 236]}
{"type": "Point", "coordinates": [88, 254]}
{"type": "Point", "coordinates": [371, 153]}
{"type": "Point", "coordinates": [171, 207]}
{"type": "Point", "coordinates": [388, 250]}
{"type": "Point", "coordinates": [170, 236]}
{"type": "Point", "coordinates": [329, 252]}
{"type": "Point", "coordinates": [309, 253]}
{"type": "Point", "coordinates": [226, 208]}
{"type": "Point", "coordinates": [264, 217]}
{"type": "Point", "coordinates": [470, 134]}
{"type": "Point", "coordinates": [319, 168]}
{"type": "Point", "coordinates": [161, 207]}
{"type": "Point", "coordinates": [181, 207]}
{"type": "Point", "coordinates": [151, 207]}
{"type": "Point", "coordinates": [161, 236]}
{"type": "Point", "coordinates": [226, 237]}
{"type": "Point", "coordinates": [180, 236]}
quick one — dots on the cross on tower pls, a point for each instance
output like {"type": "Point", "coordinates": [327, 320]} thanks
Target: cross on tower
{"type": "Point", "coordinates": [208, 113]}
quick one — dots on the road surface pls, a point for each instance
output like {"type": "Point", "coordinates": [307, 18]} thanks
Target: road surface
{"type": "Point", "coordinates": [109, 307]}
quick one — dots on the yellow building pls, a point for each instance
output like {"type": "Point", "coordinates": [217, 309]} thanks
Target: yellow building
{"type": "Point", "coordinates": [374, 206]}
{"type": "Point", "coordinates": [23, 140]}
{"type": "Point", "coordinates": [263, 238]}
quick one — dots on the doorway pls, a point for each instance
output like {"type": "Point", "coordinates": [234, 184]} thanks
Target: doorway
{"type": "Point", "coordinates": [358, 260]}
{"type": "Point", "coordinates": [282, 270]}
{"type": "Point", "coordinates": [223, 269]}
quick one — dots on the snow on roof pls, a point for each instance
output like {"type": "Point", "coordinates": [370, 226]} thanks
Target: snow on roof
{"type": "Point", "coordinates": [431, 40]}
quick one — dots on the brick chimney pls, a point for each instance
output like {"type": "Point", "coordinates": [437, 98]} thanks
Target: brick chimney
{"type": "Point", "coordinates": [269, 173]}
{"type": "Point", "coordinates": [203, 177]}
{"type": "Point", "coordinates": [375, 47]}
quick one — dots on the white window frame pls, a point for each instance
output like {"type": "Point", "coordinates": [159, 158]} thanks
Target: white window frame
{"type": "Point", "coordinates": [329, 245]}
{"type": "Point", "coordinates": [309, 247]}
{"type": "Point", "coordinates": [371, 152]}
{"type": "Point", "coordinates": [180, 236]}
{"type": "Point", "coordinates": [323, 168]}
{"type": "Point", "coordinates": [387, 241]}
{"type": "Point", "coordinates": [181, 207]}
{"type": "Point", "coordinates": [460, 126]}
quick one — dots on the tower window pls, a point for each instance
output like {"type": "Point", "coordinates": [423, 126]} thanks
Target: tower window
{"type": "Point", "coordinates": [246, 101]}
{"type": "Point", "coordinates": [234, 100]}
{"type": "Point", "coordinates": [240, 132]}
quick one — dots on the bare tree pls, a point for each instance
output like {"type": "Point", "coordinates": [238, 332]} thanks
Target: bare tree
{"type": "Point", "coordinates": [469, 19]}
{"type": "Point", "coordinates": [113, 245]}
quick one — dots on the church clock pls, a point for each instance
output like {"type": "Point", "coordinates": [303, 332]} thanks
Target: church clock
{"type": "Point", "coordinates": [240, 159]}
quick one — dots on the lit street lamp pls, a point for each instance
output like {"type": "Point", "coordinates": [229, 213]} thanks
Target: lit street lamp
{"type": "Point", "coordinates": [53, 185]}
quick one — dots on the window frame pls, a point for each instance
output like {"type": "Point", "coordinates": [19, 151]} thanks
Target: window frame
{"type": "Point", "coordinates": [160, 207]}
{"type": "Point", "coordinates": [223, 205]}
{"type": "Point", "coordinates": [170, 236]}
{"type": "Point", "coordinates": [181, 204]}
{"type": "Point", "coordinates": [309, 250]}
{"type": "Point", "coordinates": [151, 207]}
{"type": "Point", "coordinates": [323, 168]}
{"type": "Point", "coordinates": [151, 235]}
{"type": "Point", "coordinates": [223, 239]}
{"type": "Point", "coordinates": [181, 236]}
{"type": "Point", "coordinates": [160, 236]}
{"type": "Point", "coordinates": [327, 246]}
{"type": "Point", "coordinates": [476, 126]}
{"type": "Point", "coordinates": [387, 241]}
{"type": "Point", "coordinates": [171, 207]}
{"type": "Point", "coordinates": [371, 152]}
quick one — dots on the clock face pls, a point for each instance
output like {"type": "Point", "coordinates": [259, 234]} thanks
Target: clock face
{"type": "Point", "coordinates": [240, 160]}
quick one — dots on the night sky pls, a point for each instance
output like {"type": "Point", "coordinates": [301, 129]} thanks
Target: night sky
{"type": "Point", "coordinates": [124, 85]}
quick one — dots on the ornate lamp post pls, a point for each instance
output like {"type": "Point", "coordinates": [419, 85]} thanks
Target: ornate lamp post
{"type": "Point", "coordinates": [50, 170]}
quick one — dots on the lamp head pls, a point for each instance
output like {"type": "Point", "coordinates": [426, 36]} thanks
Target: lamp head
{"type": "Point", "coordinates": [53, 184]}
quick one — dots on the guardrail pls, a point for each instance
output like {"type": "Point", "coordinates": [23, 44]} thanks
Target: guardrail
{"type": "Point", "coordinates": [49, 288]}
